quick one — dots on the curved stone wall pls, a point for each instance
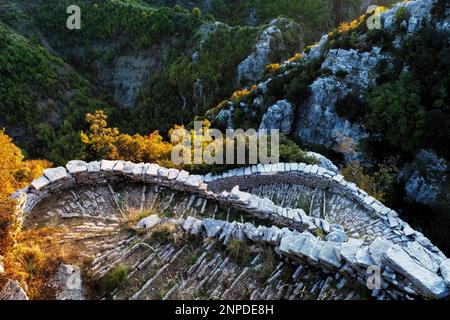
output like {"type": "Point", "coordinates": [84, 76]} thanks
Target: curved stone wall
{"type": "Point", "coordinates": [409, 263]}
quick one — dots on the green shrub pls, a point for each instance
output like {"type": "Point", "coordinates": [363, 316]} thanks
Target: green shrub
{"type": "Point", "coordinates": [351, 108]}
{"type": "Point", "coordinates": [115, 278]}
{"type": "Point", "coordinates": [239, 251]}
{"type": "Point", "coordinates": [396, 113]}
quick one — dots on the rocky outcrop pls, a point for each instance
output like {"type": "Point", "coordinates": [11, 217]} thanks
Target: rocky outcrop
{"type": "Point", "coordinates": [426, 180]}
{"type": "Point", "coordinates": [271, 42]}
{"type": "Point", "coordinates": [351, 71]}
{"type": "Point", "coordinates": [279, 116]}
{"type": "Point", "coordinates": [127, 74]}
{"type": "Point", "coordinates": [13, 291]}
{"type": "Point", "coordinates": [419, 11]}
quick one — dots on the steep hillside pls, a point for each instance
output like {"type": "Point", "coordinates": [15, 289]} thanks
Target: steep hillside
{"type": "Point", "coordinates": [371, 96]}
{"type": "Point", "coordinates": [43, 101]}
{"type": "Point", "coordinates": [316, 16]}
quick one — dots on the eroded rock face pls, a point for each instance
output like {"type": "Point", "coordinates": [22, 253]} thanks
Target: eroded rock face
{"type": "Point", "coordinates": [351, 72]}
{"type": "Point", "coordinates": [426, 180]}
{"type": "Point", "coordinates": [270, 42]}
{"type": "Point", "coordinates": [13, 291]}
{"type": "Point", "coordinates": [127, 75]}
{"type": "Point", "coordinates": [279, 116]}
{"type": "Point", "coordinates": [418, 11]}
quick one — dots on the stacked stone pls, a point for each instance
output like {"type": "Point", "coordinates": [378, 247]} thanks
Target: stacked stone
{"type": "Point", "coordinates": [403, 266]}
{"type": "Point", "coordinates": [406, 272]}
{"type": "Point", "coordinates": [317, 177]}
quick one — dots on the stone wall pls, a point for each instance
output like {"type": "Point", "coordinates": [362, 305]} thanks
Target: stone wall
{"type": "Point", "coordinates": [413, 266]}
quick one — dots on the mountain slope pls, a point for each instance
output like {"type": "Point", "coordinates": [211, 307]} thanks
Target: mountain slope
{"type": "Point", "coordinates": [43, 101]}
{"type": "Point", "coordinates": [372, 96]}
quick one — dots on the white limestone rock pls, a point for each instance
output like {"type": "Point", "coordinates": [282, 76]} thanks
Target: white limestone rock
{"type": "Point", "coordinates": [56, 174]}
{"type": "Point", "coordinates": [378, 248]}
{"type": "Point", "coordinates": [107, 165]}
{"type": "Point", "coordinates": [329, 254]}
{"type": "Point", "coordinates": [213, 227]}
{"type": "Point", "coordinates": [424, 280]}
{"type": "Point", "coordinates": [68, 284]}
{"type": "Point", "coordinates": [445, 271]}
{"type": "Point", "coordinates": [337, 236]}
{"type": "Point", "coordinates": [149, 222]}
{"type": "Point", "coordinates": [173, 174]}
{"type": "Point", "coordinates": [152, 172]}
{"type": "Point", "coordinates": [76, 166]}
{"type": "Point", "coordinates": [40, 183]}
{"type": "Point", "coordinates": [279, 116]}
{"type": "Point", "coordinates": [350, 248]}
{"type": "Point", "coordinates": [194, 181]}
{"type": "Point", "coordinates": [363, 258]}
{"type": "Point", "coordinates": [270, 40]}
{"type": "Point", "coordinates": [93, 166]}
{"type": "Point", "coordinates": [324, 162]}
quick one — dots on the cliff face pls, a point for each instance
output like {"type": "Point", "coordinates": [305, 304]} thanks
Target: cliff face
{"type": "Point", "coordinates": [351, 72]}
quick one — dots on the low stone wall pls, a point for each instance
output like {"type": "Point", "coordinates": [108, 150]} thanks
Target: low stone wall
{"type": "Point", "coordinates": [414, 267]}
{"type": "Point", "coordinates": [400, 275]}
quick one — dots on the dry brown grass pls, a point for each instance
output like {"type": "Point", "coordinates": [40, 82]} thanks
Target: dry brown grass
{"type": "Point", "coordinates": [36, 258]}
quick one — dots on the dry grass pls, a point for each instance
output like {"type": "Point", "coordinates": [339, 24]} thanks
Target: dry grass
{"type": "Point", "coordinates": [35, 259]}
{"type": "Point", "coordinates": [132, 217]}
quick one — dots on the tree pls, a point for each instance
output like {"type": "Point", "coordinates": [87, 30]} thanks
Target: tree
{"type": "Point", "coordinates": [15, 173]}
{"type": "Point", "coordinates": [396, 113]}
{"type": "Point", "coordinates": [102, 142]}
{"type": "Point", "coordinates": [197, 12]}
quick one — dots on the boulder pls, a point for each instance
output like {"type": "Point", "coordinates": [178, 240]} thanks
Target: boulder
{"type": "Point", "coordinates": [213, 227]}
{"type": "Point", "coordinates": [279, 116]}
{"type": "Point", "coordinates": [56, 174]}
{"type": "Point", "coordinates": [350, 248]}
{"type": "Point", "coordinates": [40, 183]}
{"type": "Point", "coordinates": [329, 254]}
{"type": "Point", "coordinates": [194, 181]}
{"type": "Point", "coordinates": [149, 222]}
